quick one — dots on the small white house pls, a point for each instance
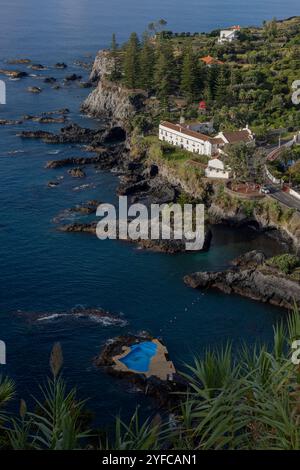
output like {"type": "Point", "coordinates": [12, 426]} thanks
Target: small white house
{"type": "Point", "coordinates": [217, 169]}
{"type": "Point", "coordinates": [229, 35]}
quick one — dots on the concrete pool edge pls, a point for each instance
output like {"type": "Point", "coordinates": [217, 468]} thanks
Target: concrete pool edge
{"type": "Point", "coordinates": [159, 366]}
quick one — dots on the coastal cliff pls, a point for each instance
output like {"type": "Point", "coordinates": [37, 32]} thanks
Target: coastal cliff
{"type": "Point", "coordinates": [111, 100]}
{"type": "Point", "coordinates": [118, 104]}
{"type": "Point", "coordinates": [103, 66]}
{"type": "Point", "coordinates": [266, 215]}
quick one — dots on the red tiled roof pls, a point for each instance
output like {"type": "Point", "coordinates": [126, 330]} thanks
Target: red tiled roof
{"type": "Point", "coordinates": [237, 136]}
{"type": "Point", "coordinates": [208, 60]}
{"type": "Point", "coordinates": [184, 130]}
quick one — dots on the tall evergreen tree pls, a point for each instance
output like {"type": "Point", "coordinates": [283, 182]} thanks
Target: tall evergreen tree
{"type": "Point", "coordinates": [210, 83]}
{"type": "Point", "coordinates": [114, 45]}
{"type": "Point", "coordinates": [221, 94]}
{"type": "Point", "coordinates": [147, 60]}
{"type": "Point", "coordinates": [164, 69]}
{"type": "Point", "coordinates": [189, 75]}
{"type": "Point", "coordinates": [115, 73]}
{"type": "Point", "coordinates": [132, 61]}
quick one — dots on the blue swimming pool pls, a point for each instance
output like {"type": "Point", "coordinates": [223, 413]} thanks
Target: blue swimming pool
{"type": "Point", "coordinates": [138, 359]}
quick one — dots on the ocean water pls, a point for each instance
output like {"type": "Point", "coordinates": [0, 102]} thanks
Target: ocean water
{"type": "Point", "coordinates": [43, 270]}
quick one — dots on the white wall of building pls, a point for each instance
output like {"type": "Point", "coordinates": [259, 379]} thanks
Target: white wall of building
{"type": "Point", "coordinates": [189, 143]}
{"type": "Point", "coordinates": [227, 35]}
{"type": "Point", "coordinates": [216, 169]}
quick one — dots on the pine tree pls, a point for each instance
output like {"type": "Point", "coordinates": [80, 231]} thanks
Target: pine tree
{"type": "Point", "coordinates": [115, 73]}
{"type": "Point", "coordinates": [221, 87]}
{"type": "Point", "coordinates": [210, 83]}
{"type": "Point", "coordinates": [114, 45]}
{"type": "Point", "coordinates": [164, 69]}
{"type": "Point", "coordinates": [189, 75]}
{"type": "Point", "coordinates": [131, 61]}
{"type": "Point", "coordinates": [147, 63]}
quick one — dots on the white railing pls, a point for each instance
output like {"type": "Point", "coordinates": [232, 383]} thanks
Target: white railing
{"type": "Point", "coordinates": [294, 193]}
{"type": "Point", "coordinates": [271, 177]}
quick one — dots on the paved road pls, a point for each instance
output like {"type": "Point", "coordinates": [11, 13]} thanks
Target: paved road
{"type": "Point", "coordinates": [276, 192]}
{"type": "Point", "coordinates": [285, 198]}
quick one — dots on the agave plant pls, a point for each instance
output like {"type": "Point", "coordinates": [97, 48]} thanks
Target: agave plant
{"type": "Point", "coordinates": [247, 402]}
{"type": "Point", "coordinates": [56, 423]}
{"type": "Point", "coordinates": [7, 392]}
{"type": "Point", "coordinates": [137, 435]}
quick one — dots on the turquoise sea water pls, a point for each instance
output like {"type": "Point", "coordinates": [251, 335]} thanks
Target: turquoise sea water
{"type": "Point", "coordinates": [43, 270]}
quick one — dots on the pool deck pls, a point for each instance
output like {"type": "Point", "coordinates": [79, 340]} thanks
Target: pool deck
{"type": "Point", "coordinates": [159, 366]}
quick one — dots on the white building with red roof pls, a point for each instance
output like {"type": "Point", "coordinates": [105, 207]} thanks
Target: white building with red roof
{"type": "Point", "coordinates": [229, 35]}
{"type": "Point", "coordinates": [181, 135]}
{"type": "Point", "coordinates": [187, 139]}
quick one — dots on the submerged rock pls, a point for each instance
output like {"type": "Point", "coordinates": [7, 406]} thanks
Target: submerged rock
{"type": "Point", "coordinates": [85, 84]}
{"type": "Point", "coordinates": [87, 208]}
{"type": "Point", "coordinates": [60, 65]}
{"type": "Point", "coordinates": [18, 61]}
{"type": "Point", "coordinates": [77, 172]}
{"type": "Point", "coordinates": [72, 78]}
{"type": "Point", "coordinates": [44, 119]}
{"type": "Point", "coordinates": [79, 227]}
{"type": "Point", "coordinates": [50, 80]}
{"type": "Point", "coordinates": [34, 89]}
{"type": "Point", "coordinates": [96, 314]}
{"type": "Point", "coordinates": [13, 73]}
{"type": "Point", "coordinates": [10, 122]}
{"type": "Point", "coordinates": [35, 134]}
{"type": "Point", "coordinates": [37, 67]}
{"type": "Point", "coordinates": [52, 184]}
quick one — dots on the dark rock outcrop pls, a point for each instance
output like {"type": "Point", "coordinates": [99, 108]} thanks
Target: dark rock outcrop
{"type": "Point", "coordinates": [45, 119]}
{"type": "Point", "coordinates": [79, 227]}
{"type": "Point", "coordinates": [104, 160]}
{"type": "Point", "coordinates": [250, 277]}
{"type": "Point", "coordinates": [37, 67]}
{"type": "Point", "coordinates": [34, 89]}
{"type": "Point", "coordinates": [10, 122]}
{"type": "Point", "coordinates": [60, 65]}
{"type": "Point", "coordinates": [13, 73]}
{"type": "Point", "coordinates": [18, 61]}
{"type": "Point", "coordinates": [114, 102]}
{"type": "Point", "coordinates": [163, 391]}
{"type": "Point", "coordinates": [50, 80]}
{"type": "Point", "coordinates": [72, 78]}
{"type": "Point", "coordinates": [69, 134]}
{"type": "Point", "coordinates": [77, 172]}
{"type": "Point", "coordinates": [96, 314]}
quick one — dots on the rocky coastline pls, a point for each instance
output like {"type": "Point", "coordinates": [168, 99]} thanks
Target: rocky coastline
{"type": "Point", "coordinates": [251, 276]}
{"type": "Point", "coordinates": [141, 179]}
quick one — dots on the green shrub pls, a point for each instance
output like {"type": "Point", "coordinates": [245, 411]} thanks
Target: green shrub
{"type": "Point", "coordinates": [286, 263]}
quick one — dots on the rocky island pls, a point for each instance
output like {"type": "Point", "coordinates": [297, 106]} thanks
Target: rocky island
{"type": "Point", "coordinates": [143, 361]}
